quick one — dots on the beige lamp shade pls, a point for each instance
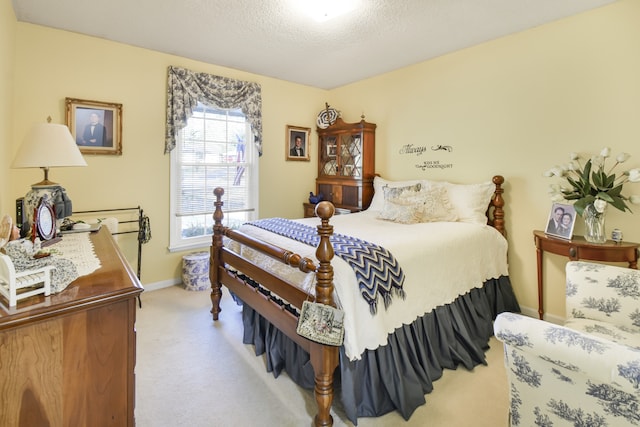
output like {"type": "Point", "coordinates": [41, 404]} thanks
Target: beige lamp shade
{"type": "Point", "coordinates": [48, 145]}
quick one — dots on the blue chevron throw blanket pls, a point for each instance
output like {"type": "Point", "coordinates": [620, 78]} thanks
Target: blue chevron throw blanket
{"type": "Point", "coordinates": [377, 271]}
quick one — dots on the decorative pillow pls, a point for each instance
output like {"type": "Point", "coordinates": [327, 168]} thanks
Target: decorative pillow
{"type": "Point", "coordinates": [434, 205]}
{"type": "Point", "coordinates": [377, 203]}
{"type": "Point", "coordinates": [407, 205]}
{"type": "Point", "coordinates": [397, 212]}
{"type": "Point", "coordinates": [401, 204]}
{"type": "Point", "coordinates": [392, 193]}
{"type": "Point", "coordinates": [466, 202]}
{"type": "Point", "coordinates": [470, 200]}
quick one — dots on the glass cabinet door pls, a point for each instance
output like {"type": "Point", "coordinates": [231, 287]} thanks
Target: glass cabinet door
{"type": "Point", "coordinates": [351, 155]}
{"type": "Point", "coordinates": [329, 156]}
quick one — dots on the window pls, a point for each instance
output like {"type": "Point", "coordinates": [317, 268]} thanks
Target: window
{"type": "Point", "coordinates": [211, 151]}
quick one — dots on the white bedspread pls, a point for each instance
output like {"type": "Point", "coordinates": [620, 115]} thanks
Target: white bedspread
{"type": "Point", "coordinates": [441, 261]}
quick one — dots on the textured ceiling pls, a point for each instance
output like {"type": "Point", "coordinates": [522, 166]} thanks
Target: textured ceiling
{"type": "Point", "coordinates": [274, 38]}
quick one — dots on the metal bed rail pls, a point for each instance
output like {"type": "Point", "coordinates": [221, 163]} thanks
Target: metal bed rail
{"type": "Point", "coordinates": [139, 224]}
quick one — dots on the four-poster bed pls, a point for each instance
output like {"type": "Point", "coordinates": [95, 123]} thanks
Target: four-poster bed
{"type": "Point", "coordinates": [419, 335]}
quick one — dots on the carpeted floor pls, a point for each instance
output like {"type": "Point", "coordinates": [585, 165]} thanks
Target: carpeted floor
{"type": "Point", "coordinates": [193, 372]}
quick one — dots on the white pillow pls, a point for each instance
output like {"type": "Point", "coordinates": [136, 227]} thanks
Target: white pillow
{"type": "Point", "coordinates": [470, 200]}
{"type": "Point", "coordinates": [377, 203]}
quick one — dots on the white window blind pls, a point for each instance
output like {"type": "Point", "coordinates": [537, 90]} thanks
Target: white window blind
{"type": "Point", "coordinates": [212, 151]}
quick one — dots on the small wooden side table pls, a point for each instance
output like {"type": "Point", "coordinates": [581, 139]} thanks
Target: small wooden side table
{"type": "Point", "coordinates": [309, 210]}
{"type": "Point", "coordinates": [578, 248]}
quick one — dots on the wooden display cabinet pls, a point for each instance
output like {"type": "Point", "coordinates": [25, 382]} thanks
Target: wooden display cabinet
{"type": "Point", "coordinates": [346, 163]}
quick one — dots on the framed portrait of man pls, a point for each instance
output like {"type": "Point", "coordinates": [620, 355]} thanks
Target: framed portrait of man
{"type": "Point", "coordinates": [562, 219]}
{"type": "Point", "coordinates": [297, 143]}
{"type": "Point", "coordinates": [96, 126]}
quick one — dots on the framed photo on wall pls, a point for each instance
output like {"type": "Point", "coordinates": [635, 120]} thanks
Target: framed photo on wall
{"type": "Point", "coordinates": [562, 219]}
{"type": "Point", "coordinates": [297, 143]}
{"type": "Point", "coordinates": [95, 126]}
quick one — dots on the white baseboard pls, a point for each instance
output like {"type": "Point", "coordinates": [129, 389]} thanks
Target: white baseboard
{"type": "Point", "coordinates": [161, 285]}
{"type": "Point", "coordinates": [533, 312]}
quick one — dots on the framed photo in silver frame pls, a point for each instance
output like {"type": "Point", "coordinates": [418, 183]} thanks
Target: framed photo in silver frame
{"type": "Point", "coordinates": [562, 219]}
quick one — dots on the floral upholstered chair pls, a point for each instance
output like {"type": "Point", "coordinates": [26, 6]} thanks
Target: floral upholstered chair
{"type": "Point", "coordinates": [587, 372]}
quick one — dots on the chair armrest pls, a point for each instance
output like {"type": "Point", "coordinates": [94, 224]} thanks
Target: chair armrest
{"type": "Point", "coordinates": [596, 358]}
{"type": "Point", "coordinates": [602, 292]}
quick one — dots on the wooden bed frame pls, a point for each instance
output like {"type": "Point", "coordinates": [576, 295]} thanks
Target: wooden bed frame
{"type": "Point", "coordinates": [265, 292]}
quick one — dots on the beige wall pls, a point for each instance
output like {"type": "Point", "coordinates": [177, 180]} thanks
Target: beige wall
{"type": "Point", "coordinates": [514, 106]}
{"type": "Point", "coordinates": [517, 106]}
{"type": "Point", "coordinates": [51, 65]}
{"type": "Point", "coordinates": [7, 53]}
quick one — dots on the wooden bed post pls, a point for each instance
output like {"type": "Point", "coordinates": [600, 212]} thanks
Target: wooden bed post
{"type": "Point", "coordinates": [324, 359]}
{"type": "Point", "coordinates": [215, 260]}
{"type": "Point", "coordinates": [498, 204]}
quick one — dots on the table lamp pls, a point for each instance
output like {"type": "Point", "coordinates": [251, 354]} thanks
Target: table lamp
{"type": "Point", "coordinates": [47, 145]}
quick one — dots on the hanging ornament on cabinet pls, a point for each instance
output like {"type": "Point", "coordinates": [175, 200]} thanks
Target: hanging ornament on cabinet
{"type": "Point", "coordinates": [327, 117]}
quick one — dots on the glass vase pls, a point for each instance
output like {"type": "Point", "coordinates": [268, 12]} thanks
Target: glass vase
{"type": "Point", "coordinates": [594, 224]}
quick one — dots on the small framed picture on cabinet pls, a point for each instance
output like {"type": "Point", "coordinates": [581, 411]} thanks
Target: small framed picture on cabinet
{"type": "Point", "coordinates": [332, 150]}
{"type": "Point", "coordinates": [297, 143]}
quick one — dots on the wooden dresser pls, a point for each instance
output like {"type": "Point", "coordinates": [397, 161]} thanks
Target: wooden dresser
{"type": "Point", "coordinates": [68, 359]}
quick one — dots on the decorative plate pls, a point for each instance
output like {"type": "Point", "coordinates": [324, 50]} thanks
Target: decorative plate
{"type": "Point", "coordinates": [327, 117]}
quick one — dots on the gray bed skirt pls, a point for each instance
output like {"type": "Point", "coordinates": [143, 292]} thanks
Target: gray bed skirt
{"type": "Point", "coordinates": [398, 375]}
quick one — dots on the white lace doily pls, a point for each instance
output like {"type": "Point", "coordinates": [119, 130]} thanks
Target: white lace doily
{"type": "Point", "coordinates": [78, 248]}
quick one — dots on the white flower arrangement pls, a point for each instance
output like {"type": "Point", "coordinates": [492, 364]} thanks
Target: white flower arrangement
{"type": "Point", "coordinates": [591, 184]}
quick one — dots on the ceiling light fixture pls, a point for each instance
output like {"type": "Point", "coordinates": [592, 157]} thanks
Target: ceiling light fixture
{"type": "Point", "coordinates": [324, 10]}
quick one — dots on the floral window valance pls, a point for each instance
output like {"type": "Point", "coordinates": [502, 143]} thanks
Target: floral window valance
{"type": "Point", "coordinates": [186, 88]}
